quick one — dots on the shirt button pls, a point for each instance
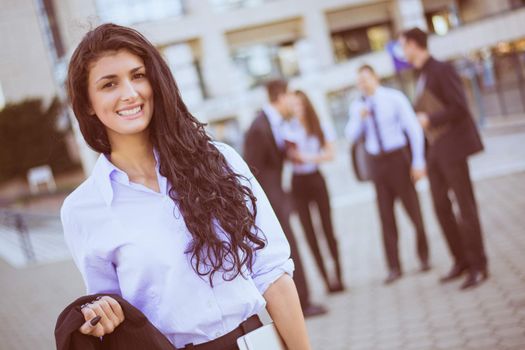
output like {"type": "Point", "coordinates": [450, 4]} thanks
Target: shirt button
{"type": "Point", "coordinates": [218, 334]}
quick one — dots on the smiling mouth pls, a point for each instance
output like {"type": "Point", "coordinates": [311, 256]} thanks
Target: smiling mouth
{"type": "Point", "coordinates": [130, 112]}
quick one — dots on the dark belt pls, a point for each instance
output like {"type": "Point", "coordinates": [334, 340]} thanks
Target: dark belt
{"type": "Point", "coordinates": [230, 339]}
{"type": "Point", "coordinates": [312, 174]}
{"type": "Point", "coordinates": [386, 155]}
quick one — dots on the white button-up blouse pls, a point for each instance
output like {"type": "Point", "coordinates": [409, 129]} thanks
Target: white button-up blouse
{"type": "Point", "coordinates": [130, 240]}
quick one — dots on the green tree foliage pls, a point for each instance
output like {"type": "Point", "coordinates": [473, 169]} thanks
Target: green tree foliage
{"type": "Point", "coordinates": [29, 138]}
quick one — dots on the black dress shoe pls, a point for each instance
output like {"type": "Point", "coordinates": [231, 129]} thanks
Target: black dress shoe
{"type": "Point", "coordinates": [455, 273]}
{"type": "Point", "coordinates": [474, 278]}
{"type": "Point", "coordinates": [425, 266]}
{"type": "Point", "coordinates": [314, 310]}
{"type": "Point", "coordinates": [393, 276]}
{"type": "Point", "coordinates": [336, 288]}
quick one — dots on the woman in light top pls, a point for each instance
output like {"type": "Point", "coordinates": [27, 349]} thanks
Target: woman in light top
{"type": "Point", "coordinates": [174, 223]}
{"type": "Point", "coordinates": [309, 145]}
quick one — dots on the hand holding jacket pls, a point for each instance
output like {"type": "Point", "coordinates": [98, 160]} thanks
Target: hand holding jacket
{"type": "Point", "coordinates": [102, 316]}
{"type": "Point", "coordinates": [135, 332]}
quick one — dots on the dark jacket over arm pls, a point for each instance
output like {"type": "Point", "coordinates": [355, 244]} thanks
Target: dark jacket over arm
{"type": "Point", "coordinates": [266, 161]}
{"type": "Point", "coordinates": [135, 333]}
{"type": "Point", "coordinates": [461, 138]}
{"type": "Point", "coordinates": [452, 94]}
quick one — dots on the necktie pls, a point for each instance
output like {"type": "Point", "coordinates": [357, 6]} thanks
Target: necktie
{"type": "Point", "coordinates": [376, 128]}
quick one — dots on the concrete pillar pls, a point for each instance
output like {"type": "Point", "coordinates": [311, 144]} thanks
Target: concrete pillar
{"type": "Point", "coordinates": [408, 14]}
{"type": "Point", "coordinates": [74, 20]}
{"type": "Point", "coordinates": [217, 68]}
{"type": "Point", "coordinates": [216, 63]}
{"type": "Point", "coordinates": [317, 35]}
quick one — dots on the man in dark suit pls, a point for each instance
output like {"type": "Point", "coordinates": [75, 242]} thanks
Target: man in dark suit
{"type": "Point", "coordinates": [264, 151]}
{"type": "Point", "coordinates": [452, 137]}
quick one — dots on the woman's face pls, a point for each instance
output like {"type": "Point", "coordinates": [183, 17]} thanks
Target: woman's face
{"type": "Point", "coordinates": [297, 106]}
{"type": "Point", "coordinates": [120, 94]}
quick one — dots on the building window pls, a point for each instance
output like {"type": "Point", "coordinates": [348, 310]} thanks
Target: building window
{"type": "Point", "coordinates": [227, 5]}
{"type": "Point", "coordinates": [442, 21]}
{"type": "Point", "coordinates": [358, 41]}
{"type": "Point", "coordinates": [126, 12]}
{"type": "Point", "coordinates": [186, 71]}
{"type": "Point", "coordinates": [474, 10]}
{"type": "Point", "coordinates": [495, 79]}
{"type": "Point", "coordinates": [267, 61]}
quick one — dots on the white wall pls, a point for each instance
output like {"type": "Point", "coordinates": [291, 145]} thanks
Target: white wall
{"type": "Point", "coordinates": [25, 69]}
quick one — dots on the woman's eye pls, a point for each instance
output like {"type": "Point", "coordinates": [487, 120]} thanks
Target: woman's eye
{"type": "Point", "coordinates": [108, 85]}
{"type": "Point", "coordinates": [139, 75]}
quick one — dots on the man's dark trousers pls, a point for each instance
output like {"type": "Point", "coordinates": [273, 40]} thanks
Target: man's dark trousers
{"type": "Point", "coordinates": [463, 234]}
{"type": "Point", "coordinates": [391, 176]}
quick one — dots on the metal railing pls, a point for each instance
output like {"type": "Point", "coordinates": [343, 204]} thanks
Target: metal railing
{"type": "Point", "coordinates": [21, 222]}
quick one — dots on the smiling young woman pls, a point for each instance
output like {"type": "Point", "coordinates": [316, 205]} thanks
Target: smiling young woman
{"type": "Point", "coordinates": [170, 220]}
{"type": "Point", "coordinates": [120, 94]}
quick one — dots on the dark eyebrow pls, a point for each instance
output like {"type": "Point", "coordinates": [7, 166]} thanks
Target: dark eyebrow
{"type": "Point", "coordinates": [111, 76]}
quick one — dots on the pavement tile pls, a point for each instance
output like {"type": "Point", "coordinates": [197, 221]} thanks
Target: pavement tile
{"type": "Point", "coordinates": [514, 331]}
{"type": "Point", "coordinates": [513, 341]}
{"type": "Point", "coordinates": [452, 342]}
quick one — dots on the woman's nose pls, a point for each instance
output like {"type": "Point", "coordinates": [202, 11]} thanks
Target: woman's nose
{"type": "Point", "coordinates": [128, 91]}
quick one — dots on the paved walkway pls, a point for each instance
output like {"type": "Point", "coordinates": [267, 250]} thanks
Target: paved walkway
{"type": "Point", "coordinates": [416, 313]}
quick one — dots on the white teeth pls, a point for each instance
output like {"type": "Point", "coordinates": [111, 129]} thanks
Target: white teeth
{"type": "Point", "coordinates": [130, 111]}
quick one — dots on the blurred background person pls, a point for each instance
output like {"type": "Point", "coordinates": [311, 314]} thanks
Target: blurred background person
{"type": "Point", "coordinates": [453, 137]}
{"type": "Point", "coordinates": [385, 118]}
{"type": "Point", "coordinates": [264, 151]}
{"type": "Point", "coordinates": [310, 145]}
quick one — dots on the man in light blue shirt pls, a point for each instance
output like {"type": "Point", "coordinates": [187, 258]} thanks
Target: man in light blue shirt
{"type": "Point", "coordinates": [388, 124]}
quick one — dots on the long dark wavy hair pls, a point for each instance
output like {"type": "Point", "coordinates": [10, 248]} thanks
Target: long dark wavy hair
{"type": "Point", "coordinates": [312, 123]}
{"type": "Point", "coordinates": [209, 194]}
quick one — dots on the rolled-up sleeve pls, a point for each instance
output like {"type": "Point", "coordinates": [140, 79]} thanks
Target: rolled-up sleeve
{"type": "Point", "coordinates": [273, 260]}
{"type": "Point", "coordinates": [99, 274]}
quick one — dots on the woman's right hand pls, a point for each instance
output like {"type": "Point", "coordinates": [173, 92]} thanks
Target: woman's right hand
{"type": "Point", "coordinates": [102, 316]}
